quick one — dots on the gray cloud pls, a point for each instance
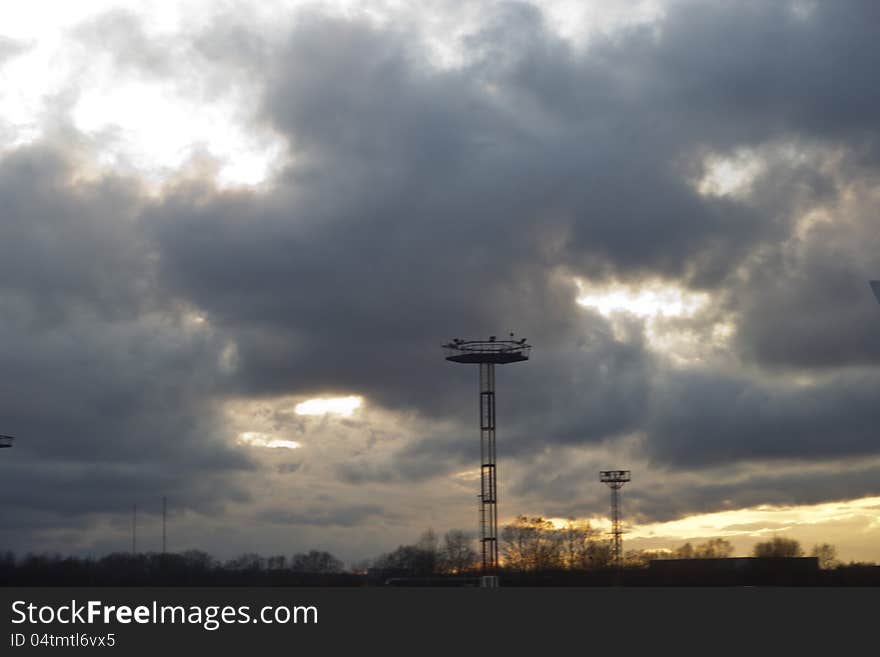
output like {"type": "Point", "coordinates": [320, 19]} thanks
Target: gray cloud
{"type": "Point", "coordinates": [106, 388]}
{"type": "Point", "coordinates": [701, 418]}
{"type": "Point", "coordinates": [10, 48]}
{"type": "Point", "coordinates": [346, 516]}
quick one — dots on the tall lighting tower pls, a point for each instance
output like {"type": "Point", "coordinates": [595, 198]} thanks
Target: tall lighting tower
{"type": "Point", "coordinates": [6, 441]}
{"type": "Point", "coordinates": [615, 480]}
{"type": "Point", "coordinates": [487, 354]}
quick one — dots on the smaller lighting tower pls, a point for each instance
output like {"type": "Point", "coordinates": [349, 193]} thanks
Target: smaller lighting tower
{"type": "Point", "coordinates": [875, 286]}
{"type": "Point", "coordinates": [6, 441]}
{"type": "Point", "coordinates": [615, 480]}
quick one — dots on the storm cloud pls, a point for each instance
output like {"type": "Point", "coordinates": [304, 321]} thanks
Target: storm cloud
{"type": "Point", "coordinates": [729, 152]}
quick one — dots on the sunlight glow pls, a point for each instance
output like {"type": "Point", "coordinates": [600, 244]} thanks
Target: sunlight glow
{"type": "Point", "coordinates": [153, 111]}
{"type": "Point", "coordinates": [735, 173]}
{"type": "Point", "coordinates": [337, 406]}
{"type": "Point", "coordinates": [644, 301]}
{"type": "Point", "coordinates": [257, 439]}
{"type": "Point", "coordinates": [153, 129]}
{"type": "Point", "coordinates": [150, 121]}
{"type": "Point", "coordinates": [467, 475]}
{"type": "Point", "coordinates": [760, 520]}
{"type": "Point", "coordinates": [731, 175]}
{"type": "Point", "coordinates": [678, 323]}
{"type": "Point", "coordinates": [578, 20]}
{"type": "Point", "coordinates": [598, 524]}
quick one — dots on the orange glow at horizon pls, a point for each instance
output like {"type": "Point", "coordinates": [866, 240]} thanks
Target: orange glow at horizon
{"type": "Point", "coordinates": [852, 525]}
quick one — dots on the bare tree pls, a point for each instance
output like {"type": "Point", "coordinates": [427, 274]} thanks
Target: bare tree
{"type": "Point", "coordinates": [198, 560]}
{"type": "Point", "coordinates": [599, 554]}
{"type": "Point", "coordinates": [515, 544]}
{"type": "Point", "coordinates": [428, 546]}
{"type": "Point", "coordinates": [686, 551]}
{"type": "Point", "coordinates": [778, 547]}
{"type": "Point", "coordinates": [531, 544]}
{"type": "Point", "coordinates": [362, 566]}
{"type": "Point", "coordinates": [714, 548]}
{"type": "Point", "coordinates": [457, 554]}
{"type": "Point", "coordinates": [419, 559]}
{"type": "Point", "coordinates": [316, 561]}
{"type": "Point", "coordinates": [827, 555]}
{"type": "Point", "coordinates": [637, 558]}
{"type": "Point", "coordinates": [579, 539]}
{"type": "Point", "coordinates": [249, 561]}
{"type": "Point", "coordinates": [276, 562]}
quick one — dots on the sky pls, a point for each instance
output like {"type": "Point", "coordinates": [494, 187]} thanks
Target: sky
{"type": "Point", "coordinates": [234, 236]}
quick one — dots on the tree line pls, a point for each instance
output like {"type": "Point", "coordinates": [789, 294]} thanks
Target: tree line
{"type": "Point", "coordinates": [187, 568]}
{"type": "Point", "coordinates": [527, 545]}
{"type": "Point", "coordinates": [535, 544]}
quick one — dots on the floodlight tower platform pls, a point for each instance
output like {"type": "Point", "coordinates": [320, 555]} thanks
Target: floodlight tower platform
{"type": "Point", "coordinates": [487, 354]}
{"type": "Point", "coordinates": [615, 480]}
{"type": "Point", "coordinates": [6, 441]}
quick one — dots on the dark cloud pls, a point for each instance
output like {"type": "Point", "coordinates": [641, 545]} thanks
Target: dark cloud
{"type": "Point", "coordinates": [809, 305]}
{"type": "Point", "coordinates": [345, 516]}
{"type": "Point", "coordinates": [106, 387]}
{"type": "Point", "coordinates": [63, 238]}
{"type": "Point", "coordinates": [701, 417]}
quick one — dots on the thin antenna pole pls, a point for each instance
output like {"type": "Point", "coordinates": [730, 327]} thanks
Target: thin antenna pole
{"type": "Point", "coordinates": [164, 517]}
{"type": "Point", "coordinates": [134, 521]}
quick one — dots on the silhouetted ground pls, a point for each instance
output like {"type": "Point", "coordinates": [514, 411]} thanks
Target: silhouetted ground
{"type": "Point", "coordinates": [198, 569]}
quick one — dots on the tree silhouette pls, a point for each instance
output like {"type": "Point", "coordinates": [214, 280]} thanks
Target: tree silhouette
{"type": "Point", "coordinates": [276, 562]}
{"type": "Point", "coordinates": [827, 555]}
{"type": "Point", "coordinates": [428, 546]}
{"type": "Point", "coordinates": [579, 545]}
{"type": "Point", "coordinates": [316, 562]}
{"type": "Point", "coordinates": [598, 555]}
{"type": "Point", "coordinates": [531, 544]}
{"type": "Point", "coordinates": [249, 561]}
{"type": "Point", "coordinates": [685, 551]}
{"type": "Point", "coordinates": [457, 554]}
{"type": "Point", "coordinates": [714, 548]}
{"type": "Point", "coordinates": [778, 547]}
{"type": "Point", "coordinates": [421, 559]}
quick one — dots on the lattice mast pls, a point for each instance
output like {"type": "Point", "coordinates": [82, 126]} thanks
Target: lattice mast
{"type": "Point", "coordinates": [615, 480]}
{"type": "Point", "coordinates": [487, 354]}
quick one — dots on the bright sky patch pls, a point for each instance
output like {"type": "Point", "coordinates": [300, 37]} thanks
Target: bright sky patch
{"type": "Point", "coordinates": [336, 406]}
{"type": "Point", "coordinates": [644, 301]}
{"type": "Point", "coordinates": [751, 521]}
{"type": "Point", "coordinates": [257, 439]}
